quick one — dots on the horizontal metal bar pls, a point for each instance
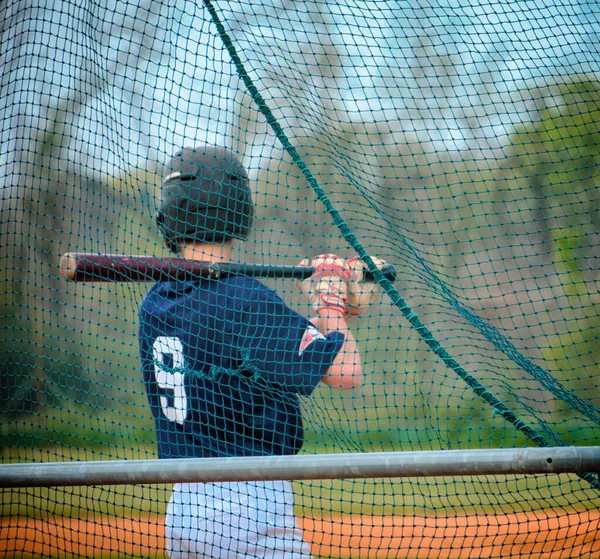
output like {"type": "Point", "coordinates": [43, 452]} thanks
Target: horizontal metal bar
{"type": "Point", "coordinates": [552, 460]}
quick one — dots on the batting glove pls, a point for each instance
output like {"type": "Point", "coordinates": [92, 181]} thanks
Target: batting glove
{"type": "Point", "coordinates": [327, 287]}
{"type": "Point", "coordinates": [361, 294]}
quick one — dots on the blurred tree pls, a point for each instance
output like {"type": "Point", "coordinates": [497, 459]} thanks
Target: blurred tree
{"type": "Point", "coordinates": [53, 197]}
{"type": "Point", "coordinates": [551, 182]}
{"type": "Point", "coordinates": [551, 177]}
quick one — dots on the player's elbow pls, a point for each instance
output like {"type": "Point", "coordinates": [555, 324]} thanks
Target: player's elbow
{"type": "Point", "coordinates": [350, 381]}
{"type": "Point", "coordinates": [344, 377]}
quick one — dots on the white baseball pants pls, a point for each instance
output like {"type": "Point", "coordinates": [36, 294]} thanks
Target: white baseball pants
{"type": "Point", "coordinates": [250, 520]}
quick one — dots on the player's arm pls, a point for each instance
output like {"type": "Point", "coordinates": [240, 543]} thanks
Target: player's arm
{"type": "Point", "coordinates": [345, 372]}
{"type": "Point", "coordinates": [336, 291]}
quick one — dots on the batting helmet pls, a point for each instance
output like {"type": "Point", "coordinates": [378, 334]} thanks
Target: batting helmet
{"type": "Point", "coordinates": [205, 197]}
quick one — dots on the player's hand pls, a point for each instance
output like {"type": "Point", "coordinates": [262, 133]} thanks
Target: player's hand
{"type": "Point", "coordinates": [327, 287]}
{"type": "Point", "coordinates": [361, 294]}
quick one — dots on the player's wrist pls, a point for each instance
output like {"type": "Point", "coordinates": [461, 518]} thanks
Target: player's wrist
{"type": "Point", "coordinates": [335, 310]}
{"type": "Point", "coordinates": [332, 303]}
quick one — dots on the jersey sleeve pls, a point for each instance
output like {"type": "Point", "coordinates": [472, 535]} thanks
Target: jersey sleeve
{"type": "Point", "coordinates": [273, 341]}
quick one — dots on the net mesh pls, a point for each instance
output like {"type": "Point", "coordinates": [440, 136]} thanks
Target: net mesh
{"type": "Point", "coordinates": [458, 141]}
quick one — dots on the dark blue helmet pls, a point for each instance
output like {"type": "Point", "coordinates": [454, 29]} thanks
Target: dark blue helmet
{"type": "Point", "coordinates": [205, 197]}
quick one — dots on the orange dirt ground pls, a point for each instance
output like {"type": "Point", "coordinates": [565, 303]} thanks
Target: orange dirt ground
{"type": "Point", "coordinates": [548, 535]}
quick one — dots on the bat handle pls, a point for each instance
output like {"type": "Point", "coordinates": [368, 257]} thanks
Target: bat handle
{"type": "Point", "coordinates": [388, 271]}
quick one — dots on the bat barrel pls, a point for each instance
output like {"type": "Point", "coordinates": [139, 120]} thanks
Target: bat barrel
{"type": "Point", "coordinates": [121, 268]}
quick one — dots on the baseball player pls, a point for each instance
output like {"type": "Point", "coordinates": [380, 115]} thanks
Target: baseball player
{"type": "Point", "coordinates": [225, 360]}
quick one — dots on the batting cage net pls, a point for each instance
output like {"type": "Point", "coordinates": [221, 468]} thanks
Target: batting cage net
{"type": "Point", "coordinates": [457, 142]}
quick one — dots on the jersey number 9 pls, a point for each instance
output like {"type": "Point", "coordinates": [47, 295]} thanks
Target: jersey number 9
{"type": "Point", "coordinates": [169, 367]}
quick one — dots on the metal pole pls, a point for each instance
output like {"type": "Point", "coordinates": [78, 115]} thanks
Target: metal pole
{"type": "Point", "coordinates": [554, 460]}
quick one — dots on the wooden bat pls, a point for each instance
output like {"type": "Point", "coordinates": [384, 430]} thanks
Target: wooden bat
{"type": "Point", "coordinates": [88, 267]}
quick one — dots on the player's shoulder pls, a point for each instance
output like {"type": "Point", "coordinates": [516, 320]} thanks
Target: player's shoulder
{"type": "Point", "coordinates": [233, 292]}
{"type": "Point", "coordinates": [244, 290]}
{"type": "Point", "coordinates": [162, 290]}
{"type": "Point", "coordinates": [166, 293]}
{"type": "Point", "coordinates": [244, 283]}
{"type": "Point", "coordinates": [253, 300]}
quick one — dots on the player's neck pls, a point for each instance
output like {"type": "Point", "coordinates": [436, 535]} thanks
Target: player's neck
{"type": "Point", "coordinates": [206, 252]}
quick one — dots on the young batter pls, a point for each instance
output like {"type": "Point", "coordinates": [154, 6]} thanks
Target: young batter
{"type": "Point", "coordinates": [224, 361]}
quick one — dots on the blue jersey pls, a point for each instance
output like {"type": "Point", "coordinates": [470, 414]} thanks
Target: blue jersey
{"type": "Point", "coordinates": [224, 362]}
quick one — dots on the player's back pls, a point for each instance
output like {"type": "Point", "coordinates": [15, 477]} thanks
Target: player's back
{"type": "Point", "coordinates": [207, 395]}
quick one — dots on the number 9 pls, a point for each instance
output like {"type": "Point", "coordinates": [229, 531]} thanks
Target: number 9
{"type": "Point", "coordinates": [171, 378]}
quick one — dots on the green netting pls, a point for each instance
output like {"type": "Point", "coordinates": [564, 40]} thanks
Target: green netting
{"type": "Point", "coordinates": [459, 141]}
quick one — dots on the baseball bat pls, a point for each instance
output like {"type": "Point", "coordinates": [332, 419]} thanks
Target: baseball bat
{"type": "Point", "coordinates": [89, 267]}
